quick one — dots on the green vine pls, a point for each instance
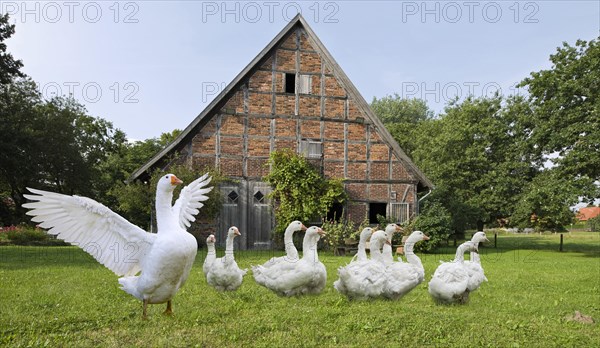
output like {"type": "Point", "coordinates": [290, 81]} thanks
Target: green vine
{"type": "Point", "coordinates": [300, 192]}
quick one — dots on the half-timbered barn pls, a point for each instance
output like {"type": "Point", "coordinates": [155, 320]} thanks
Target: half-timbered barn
{"type": "Point", "coordinates": [294, 95]}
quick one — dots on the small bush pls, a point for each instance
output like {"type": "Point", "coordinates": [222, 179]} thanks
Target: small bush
{"type": "Point", "coordinates": [593, 224]}
{"type": "Point", "coordinates": [436, 222]}
{"type": "Point", "coordinates": [339, 231]}
{"type": "Point", "coordinates": [25, 235]}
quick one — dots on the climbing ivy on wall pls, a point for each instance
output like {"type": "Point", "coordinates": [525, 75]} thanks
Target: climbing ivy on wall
{"type": "Point", "coordinates": [300, 192]}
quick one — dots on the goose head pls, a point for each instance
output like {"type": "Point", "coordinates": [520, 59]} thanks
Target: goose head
{"type": "Point", "coordinates": [296, 226]}
{"type": "Point", "coordinates": [366, 234]}
{"type": "Point", "coordinates": [211, 240]}
{"type": "Point", "coordinates": [390, 229]}
{"type": "Point", "coordinates": [479, 237]}
{"type": "Point", "coordinates": [378, 238]}
{"type": "Point", "coordinates": [315, 233]}
{"type": "Point", "coordinates": [416, 236]}
{"type": "Point", "coordinates": [393, 228]}
{"type": "Point", "coordinates": [168, 183]}
{"type": "Point", "coordinates": [233, 232]}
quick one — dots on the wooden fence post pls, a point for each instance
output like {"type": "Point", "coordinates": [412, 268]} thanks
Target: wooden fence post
{"type": "Point", "coordinates": [495, 240]}
{"type": "Point", "coordinates": [561, 243]}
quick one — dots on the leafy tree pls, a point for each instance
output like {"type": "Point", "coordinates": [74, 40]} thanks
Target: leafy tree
{"type": "Point", "coordinates": [129, 156]}
{"type": "Point", "coordinates": [52, 145]}
{"type": "Point", "coordinates": [402, 117]}
{"type": "Point", "coordinates": [299, 190]}
{"type": "Point", "coordinates": [566, 111]}
{"type": "Point", "coordinates": [9, 67]}
{"type": "Point", "coordinates": [545, 202]}
{"type": "Point", "coordinates": [475, 155]}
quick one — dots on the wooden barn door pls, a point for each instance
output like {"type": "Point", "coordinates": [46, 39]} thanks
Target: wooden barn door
{"type": "Point", "coordinates": [232, 214]}
{"type": "Point", "coordinates": [260, 220]}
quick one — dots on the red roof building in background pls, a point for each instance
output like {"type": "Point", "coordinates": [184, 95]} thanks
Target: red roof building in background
{"type": "Point", "coordinates": [588, 213]}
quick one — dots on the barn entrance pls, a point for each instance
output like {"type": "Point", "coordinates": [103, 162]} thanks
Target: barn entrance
{"type": "Point", "coordinates": [246, 206]}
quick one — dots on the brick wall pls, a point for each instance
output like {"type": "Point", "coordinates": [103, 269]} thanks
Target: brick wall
{"type": "Point", "coordinates": [239, 141]}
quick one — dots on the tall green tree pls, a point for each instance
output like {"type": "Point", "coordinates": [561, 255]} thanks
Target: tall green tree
{"type": "Point", "coordinates": [475, 154]}
{"type": "Point", "coordinates": [545, 201]}
{"type": "Point", "coordinates": [9, 66]}
{"type": "Point", "coordinates": [53, 144]}
{"type": "Point", "coordinates": [402, 117]}
{"type": "Point", "coordinates": [565, 124]}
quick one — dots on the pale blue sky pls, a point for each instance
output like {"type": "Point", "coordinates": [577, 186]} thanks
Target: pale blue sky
{"type": "Point", "coordinates": [156, 63]}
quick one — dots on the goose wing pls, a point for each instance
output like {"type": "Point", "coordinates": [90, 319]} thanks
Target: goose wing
{"type": "Point", "coordinates": [115, 242]}
{"type": "Point", "coordinates": [189, 201]}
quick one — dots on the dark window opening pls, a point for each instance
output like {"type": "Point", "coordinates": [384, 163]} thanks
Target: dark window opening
{"type": "Point", "coordinates": [232, 197]}
{"type": "Point", "coordinates": [290, 83]}
{"type": "Point", "coordinates": [376, 209]}
{"type": "Point", "coordinates": [259, 197]}
{"type": "Point", "coordinates": [335, 212]}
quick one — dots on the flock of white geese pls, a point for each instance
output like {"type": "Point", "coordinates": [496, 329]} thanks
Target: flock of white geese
{"type": "Point", "coordinates": [158, 264]}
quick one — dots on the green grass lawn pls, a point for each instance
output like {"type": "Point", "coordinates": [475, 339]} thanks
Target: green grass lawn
{"type": "Point", "coordinates": [60, 296]}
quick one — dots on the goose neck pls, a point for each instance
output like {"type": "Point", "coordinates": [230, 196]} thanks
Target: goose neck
{"type": "Point", "coordinates": [475, 256]}
{"type": "Point", "coordinates": [361, 254]}
{"type": "Point", "coordinates": [288, 240]}
{"type": "Point", "coordinates": [229, 246]}
{"type": "Point", "coordinates": [165, 217]}
{"type": "Point", "coordinates": [376, 251]}
{"type": "Point", "coordinates": [411, 257]}
{"type": "Point", "coordinates": [309, 249]}
{"type": "Point", "coordinates": [460, 253]}
{"type": "Point", "coordinates": [211, 250]}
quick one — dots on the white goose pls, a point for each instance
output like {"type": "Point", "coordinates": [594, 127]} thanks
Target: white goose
{"type": "Point", "coordinates": [386, 251]}
{"type": "Point", "coordinates": [378, 240]}
{"type": "Point", "coordinates": [403, 277]}
{"type": "Point", "coordinates": [291, 253]}
{"type": "Point", "coordinates": [450, 282]}
{"type": "Point", "coordinates": [296, 277]}
{"type": "Point", "coordinates": [164, 258]}
{"type": "Point", "coordinates": [476, 274]}
{"type": "Point", "coordinates": [362, 278]}
{"type": "Point", "coordinates": [211, 253]}
{"type": "Point", "coordinates": [224, 273]}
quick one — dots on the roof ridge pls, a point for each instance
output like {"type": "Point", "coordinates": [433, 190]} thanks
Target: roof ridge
{"type": "Point", "coordinates": [338, 73]}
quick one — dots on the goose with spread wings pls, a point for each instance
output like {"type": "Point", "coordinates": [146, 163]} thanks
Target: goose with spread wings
{"type": "Point", "coordinates": [164, 259]}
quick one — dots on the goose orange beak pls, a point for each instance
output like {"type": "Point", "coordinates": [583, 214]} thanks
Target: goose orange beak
{"type": "Point", "coordinates": [425, 237]}
{"type": "Point", "coordinates": [175, 181]}
{"type": "Point", "coordinates": [303, 228]}
{"type": "Point", "coordinates": [321, 232]}
{"type": "Point", "coordinates": [237, 232]}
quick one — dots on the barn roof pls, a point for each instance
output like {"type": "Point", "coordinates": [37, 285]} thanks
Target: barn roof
{"type": "Point", "coordinates": [230, 89]}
